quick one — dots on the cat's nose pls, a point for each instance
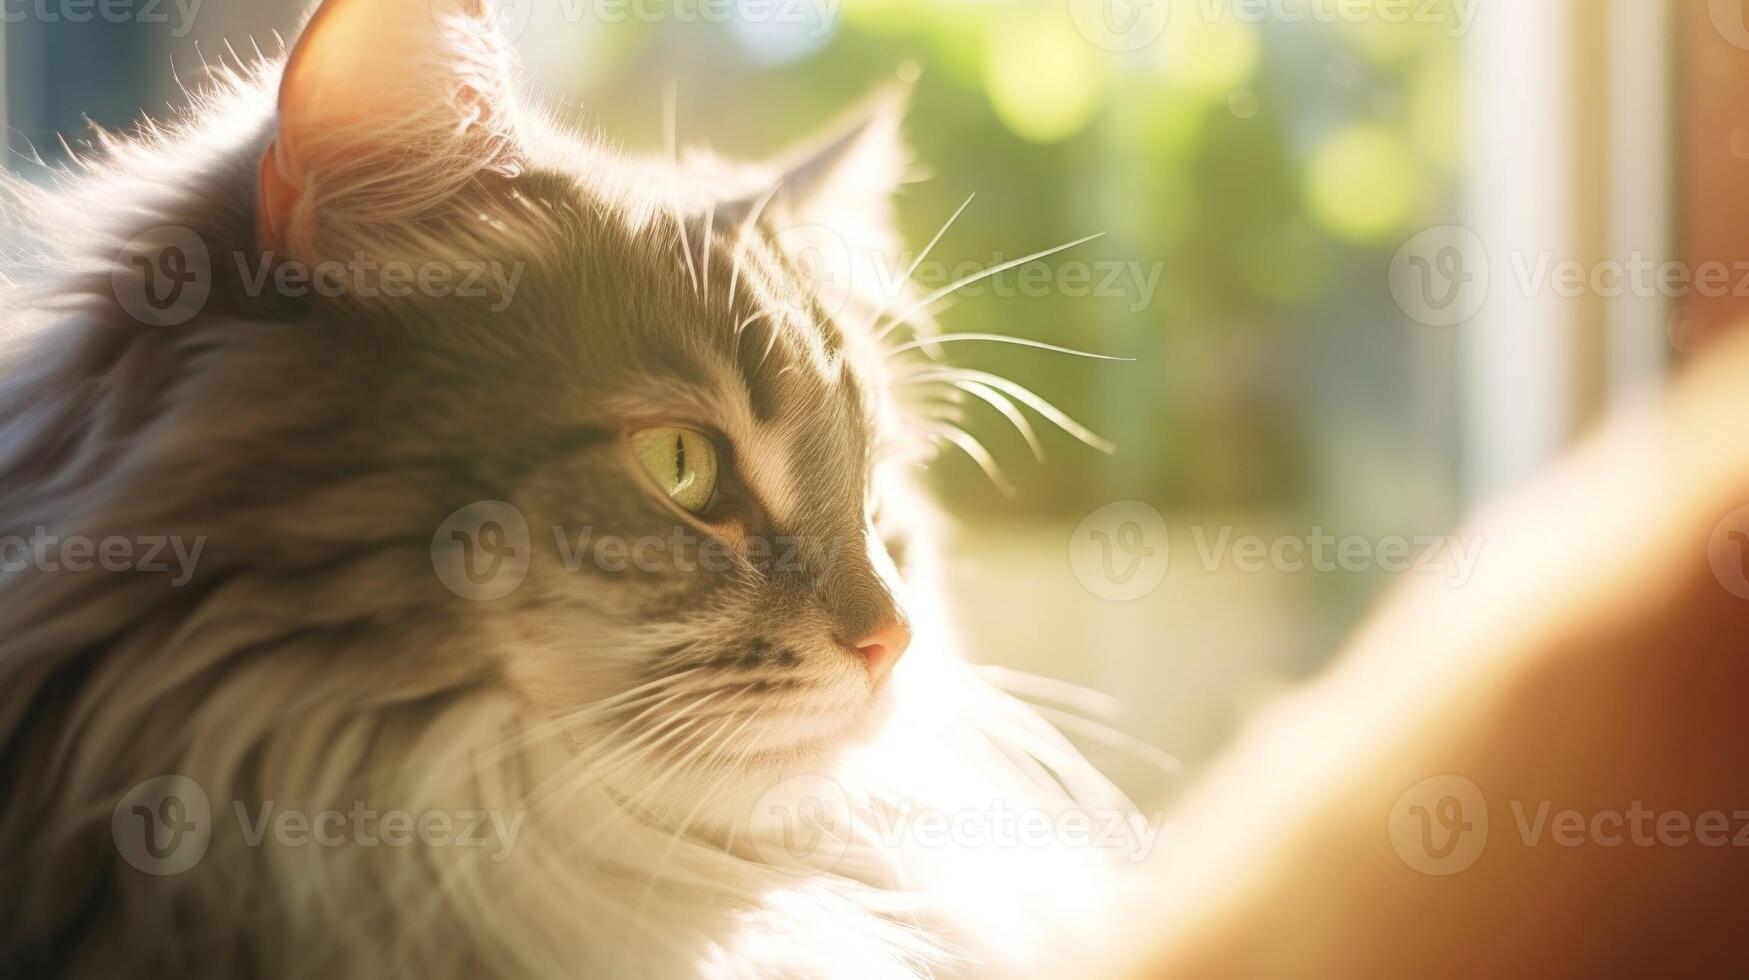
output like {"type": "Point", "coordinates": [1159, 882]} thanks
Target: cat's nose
{"type": "Point", "coordinates": [881, 649]}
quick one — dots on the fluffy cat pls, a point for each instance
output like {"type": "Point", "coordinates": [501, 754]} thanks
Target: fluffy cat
{"type": "Point", "coordinates": [687, 765]}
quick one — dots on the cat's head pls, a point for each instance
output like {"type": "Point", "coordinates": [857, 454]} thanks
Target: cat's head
{"type": "Point", "coordinates": [674, 443]}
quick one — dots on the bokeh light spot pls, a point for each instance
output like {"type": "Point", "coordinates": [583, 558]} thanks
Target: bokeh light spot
{"type": "Point", "coordinates": [887, 17]}
{"type": "Point", "coordinates": [1042, 78]}
{"type": "Point", "coordinates": [1210, 56]}
{"type": "Point", "coordinates": [1361, 184]}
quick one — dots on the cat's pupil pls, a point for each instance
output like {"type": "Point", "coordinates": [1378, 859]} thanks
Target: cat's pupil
{"type": "Point", "coordinates": [679, 457]}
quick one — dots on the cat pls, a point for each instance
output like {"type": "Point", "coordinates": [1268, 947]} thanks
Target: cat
{"type": "Point", "coordinates": [549, 589]}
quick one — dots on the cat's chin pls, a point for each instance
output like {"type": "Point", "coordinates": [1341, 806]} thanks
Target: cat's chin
{"type": "Point", "coordinates": [815, 735]}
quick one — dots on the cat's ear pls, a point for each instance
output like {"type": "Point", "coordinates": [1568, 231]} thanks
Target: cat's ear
{"type": "Point", "coordinates": [388, 110]}
{"type": "Point", "coordinates": [848, 174]}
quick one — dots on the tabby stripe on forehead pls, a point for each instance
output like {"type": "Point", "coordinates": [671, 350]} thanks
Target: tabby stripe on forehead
{"type": "Point", "coordinates": [831, 339]}
{"type": "Point", "coordinates": [830, 336]}
{"type": "Point", "coordinates": [756, 371]}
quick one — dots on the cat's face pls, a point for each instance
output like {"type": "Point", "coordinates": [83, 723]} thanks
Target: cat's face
{"type": "Point", "coordinates": [712, 529]}
{"type": "Point", "coordinates": [703, 445]}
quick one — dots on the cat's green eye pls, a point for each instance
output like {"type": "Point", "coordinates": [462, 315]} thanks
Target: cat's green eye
{"type": "Point", "coordinates": [683, 463]}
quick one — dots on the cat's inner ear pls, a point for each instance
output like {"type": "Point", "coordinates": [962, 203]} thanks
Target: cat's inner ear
{"type": "Point", "coordinates": [388, 110]}
{"type": "Point", "coordinates": [847, 175]}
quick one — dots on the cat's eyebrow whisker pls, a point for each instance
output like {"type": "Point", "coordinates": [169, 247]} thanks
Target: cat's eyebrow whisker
{"type": "Point", "coordinates": [996, 338]}
{"type": "Point", "coordinates": [1000, 402]}
{"type": "Point", "coordinates": [671, 119]}
{"type": "Point", "coordinates": [976, 277]}
{"type": "Point", "coordinates": [1025, 395]}
{"type": "Point", "coordinates": [770, 343]}
{"type": "Point", "coordinates": [741, 236]}
{"type": "Point", "coordinates": [881, 311]}
{"type": "Point", "coordinates": [671, 136]}
{"type": "Point", "coordinates": [710, 225]}
{"type": "Point", "coordinates": [969, 445]}
{"type": "Point", "coordinates": [742, 326]}
{"type": "Point", "coordinates": [685, 244]}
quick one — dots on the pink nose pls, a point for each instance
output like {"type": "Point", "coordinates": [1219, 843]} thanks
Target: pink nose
{"type": "Point", "coordinates": [883, 648]}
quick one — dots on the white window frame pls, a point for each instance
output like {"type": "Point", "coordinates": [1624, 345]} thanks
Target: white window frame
{"type": "Point", "coordinates": [1524, 371]}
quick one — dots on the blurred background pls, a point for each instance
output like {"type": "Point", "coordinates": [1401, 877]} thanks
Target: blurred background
{"type": "Point", "coordinates": [1339, 242]}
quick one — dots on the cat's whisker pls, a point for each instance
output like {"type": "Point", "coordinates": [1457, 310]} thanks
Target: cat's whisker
{"type": "Point", "coordinates": [898, 288]}
{"type": "Point", "coordinates": [1023, 728]}
{"type": "Point", "coordinates": [713, 734]}
{"type": "Point", "coordinates": [996, 338]}
{"type": "Point", "coordinates": [663, 724]}
{"type": "Point", "coordinates": [1052, 413]}
{"type": "Point", "coordinates": [1166, 763]}
{"type": "Point", "coordinates": [586, 772]}
{"type": "Point", "coordinates": [1014, 415]}
{"type": "Point", "coordinates": [969, 444]}
{"type": "Point", "coordinates": [949, 416]}
{"type": "Point", "coordinates": [646, 712]}
{"type": "Point", "coordinates": [561, 725]}
{"type": "Point", "coordinates": [976, 277]}
{"type": "Point", "coordinates": [629, 812]}
{"type": "Point", "coordinates": [1039, 687]}
{"type": "Point", "coordinates": [746, 565]}
{"type": "Point", "coordinates": [613, 709]}
{"type": "Point", "coordinates": [704, 798]}
{"type": "Point", "coordinates": [650, 688]}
